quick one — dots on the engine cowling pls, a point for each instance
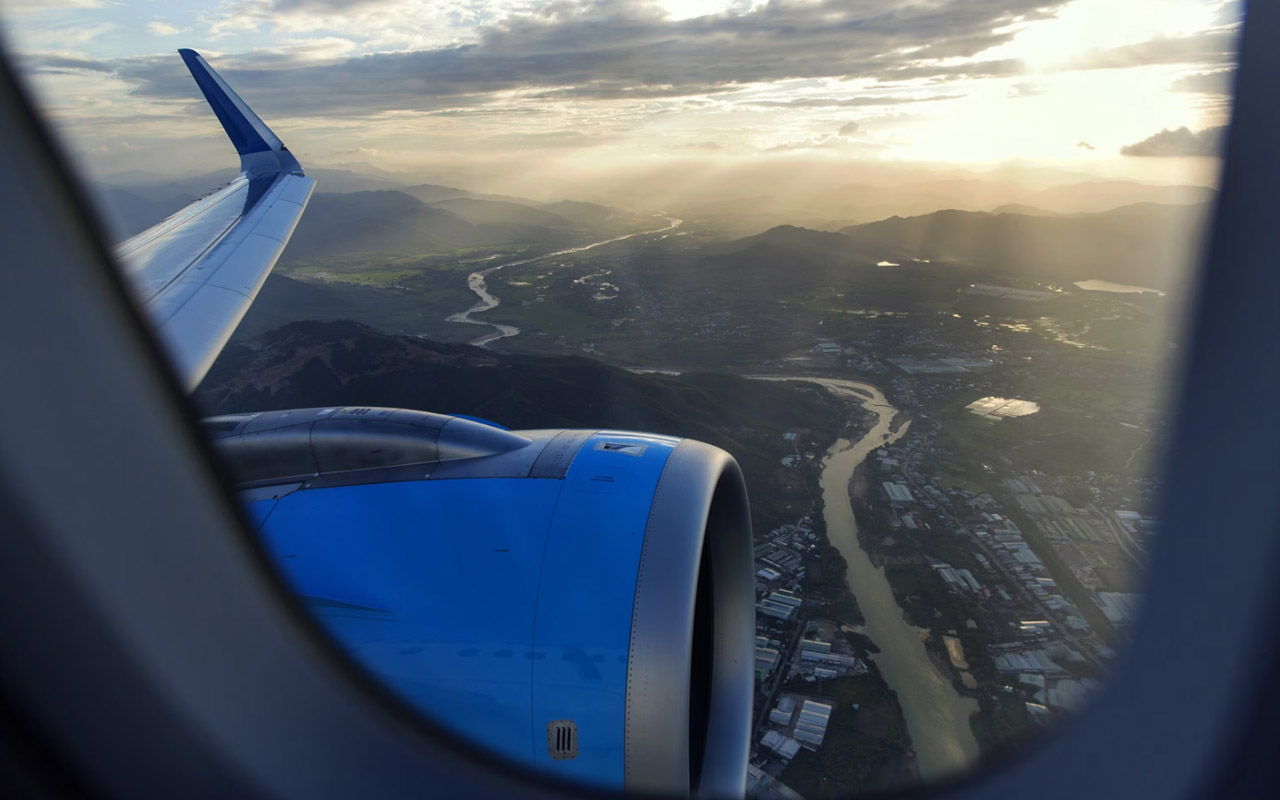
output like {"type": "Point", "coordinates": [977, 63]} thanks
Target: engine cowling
{"type": "Point", "coordinates": [580, 602]}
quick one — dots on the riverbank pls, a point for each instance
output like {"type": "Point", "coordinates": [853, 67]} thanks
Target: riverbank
{"type": "Point", "coordinates": [936, 715]}
{"type": "Point", "coordinates": [1001, 723]}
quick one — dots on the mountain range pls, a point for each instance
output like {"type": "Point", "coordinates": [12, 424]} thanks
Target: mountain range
{"type": "Point", "coordinates": [866, 202]}
{"type": "Point", "coordinates": [354, 212]}
{"type": "Point", "coordinates": [1144, 244]}
{"type": "Point", "coordinates": [1061, 233]}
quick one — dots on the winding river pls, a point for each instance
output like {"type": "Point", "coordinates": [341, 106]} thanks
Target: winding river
{"type": "Point", "coordinates": [937, 715]}
{"type": "Point", "coordinates": [477, 284]}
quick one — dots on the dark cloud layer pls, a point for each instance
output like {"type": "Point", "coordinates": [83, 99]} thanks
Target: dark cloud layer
{"type": "Point", "coordinates": [625, 48]}
{"type": "Point", "coordinates": [45, 63]}
{"type": "Point", "coordinates": [851, 102]}
{"type": "Point", "coordinates": [285, 6]}
{"type": "Point", "coordinates": [628, 49]}
{"type": "Point", "coordinates": [1180, 142]}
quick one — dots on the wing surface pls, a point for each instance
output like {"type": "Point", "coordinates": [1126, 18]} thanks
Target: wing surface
{"type": "Point", "coordinates": [197, 272]}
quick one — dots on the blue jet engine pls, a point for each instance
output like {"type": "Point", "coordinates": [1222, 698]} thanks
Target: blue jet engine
{"type": "Point", "coordinates": [580, 602]}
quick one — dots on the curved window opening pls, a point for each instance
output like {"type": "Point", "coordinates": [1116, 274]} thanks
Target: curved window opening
{"type": "Point", "coordinates": [930, 296]}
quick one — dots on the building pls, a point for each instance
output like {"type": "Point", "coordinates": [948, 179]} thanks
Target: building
{"type": "Point", "coordinates": [785, 747]}
{"type": "Point", "coordinates": [968, 578]}
{"type": "Point", "coordinates": [811, 727]}
{"type": "Point", "coordinates": [786, 598]}
{"type": "Point", "coordinates": [897, 492]}
{"type": "Point", "coordinates": [774, 610]}
{"type": "Point", "coordinates": [785, 710]}
{"type": "Point", "coordinates": [766, 660]}
{"type": "Point", "coordinates": [832, 659]}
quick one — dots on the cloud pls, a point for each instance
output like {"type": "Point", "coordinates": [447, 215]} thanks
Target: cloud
{"type": "Point", "coordinates": [1180, 142]}
{"type": "Point", "coordinates": [27, 6]}
{"type": "Point", "coordinates": [556, 139]}
{"type": "Point", "coordinates": [850, 102]}
{"type": "Point", "coordinates": [57, 38]}
{"type": "Point", "coordinates": [358, 151]}
{"type": "Point", "coordinates": [1027, 90]}
{"type": "Point", "coordinates": [311, 6]}
{"type": "Point", "coordinates": [848, 129]}
{"type": "Point", "coordinates": [399, 25]}
{"type": "Point", "coordinates": [826, 140]}
{"type": "Point", "coordinates": [158, 28]}
{"type": "Point", "coordinates": [938, 73]}
{"type": "Point", "coordinates": [1083, 145]}
{"type": "Point", "coordinates": [1230, 12]}
{"type": "Point", "coordinates": [610, 49]}
{"type": "Point", "coordinates": [50, 63]}
{"type": "Point", "coordinates": [1216, 46]}
{"type": "Point", "coordinates": [702, 146]}
{"type": "Point", "coordinates": [1217, 82]}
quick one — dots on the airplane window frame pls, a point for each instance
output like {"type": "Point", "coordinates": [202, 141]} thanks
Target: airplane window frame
{"type": "Point", "coordinates": [152, 677]}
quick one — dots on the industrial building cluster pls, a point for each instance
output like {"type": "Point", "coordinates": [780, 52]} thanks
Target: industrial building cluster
{"type": "Point", "coordinates": [779, 572]}
{"type": "Point", "coordinates": [1095, 540]}
{"type": "Point", "coordinates": [810, 649]}
{"type": "Point", "coordinates": [1047, 673]}
{"type": "Point", "coordinates": [791, 649]}
{"type": "Point", "coordinates": [795, 722]}
{"type": "Point", "coordinates": [1044, 642]}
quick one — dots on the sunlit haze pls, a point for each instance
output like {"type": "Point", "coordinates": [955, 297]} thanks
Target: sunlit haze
{"type": "Point", "coordinates": [644, 99]}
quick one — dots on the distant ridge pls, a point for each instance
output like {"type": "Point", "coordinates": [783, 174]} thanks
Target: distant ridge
{"type": "Point", "coordinates": [501, 211]}
{"type": "Point", "coordinates": [393, 221]}
{"type": "Point", "coordinates": [1019, 208]}
{"type": "Point", "coordinates": [1096, 196]}
{"type": "Point", "coordinates": [1143, 244]}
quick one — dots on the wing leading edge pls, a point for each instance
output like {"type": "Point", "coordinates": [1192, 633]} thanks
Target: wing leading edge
{"type": "Point", "coordinates": [197, 272]}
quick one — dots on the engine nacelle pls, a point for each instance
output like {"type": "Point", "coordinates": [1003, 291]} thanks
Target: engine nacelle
{"type": "Point", "coordinates": [580, 602]}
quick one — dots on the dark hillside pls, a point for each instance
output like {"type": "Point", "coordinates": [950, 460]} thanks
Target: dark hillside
{"type": "Point", "coordinates": [1145, 244]}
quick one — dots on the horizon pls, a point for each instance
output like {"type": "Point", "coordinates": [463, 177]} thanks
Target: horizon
{"type": "Point", "coordinates": [645, 100]}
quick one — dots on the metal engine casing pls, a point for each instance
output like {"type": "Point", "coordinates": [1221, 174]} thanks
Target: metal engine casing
{"type": "Point", "coordinates": [515, 584]}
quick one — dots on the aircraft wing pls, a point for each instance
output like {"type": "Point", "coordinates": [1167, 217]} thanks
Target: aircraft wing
{"type": "Point", "coordinates": [197, 272]}
{"type": "Point", "coordinates": [581, 602]}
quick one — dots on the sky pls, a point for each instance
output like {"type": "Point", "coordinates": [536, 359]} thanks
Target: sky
{"type": "Point", "coordinates": [527, 94]}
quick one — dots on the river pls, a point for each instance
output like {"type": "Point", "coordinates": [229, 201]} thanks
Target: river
{"type": "Point", "coordinates": [937, 715]}
{"type": "Point", "coordinates": [477, 284]}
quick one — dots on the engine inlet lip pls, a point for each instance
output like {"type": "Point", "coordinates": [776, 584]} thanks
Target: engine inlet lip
{"type": "Point", "coordinates": [699, 511]}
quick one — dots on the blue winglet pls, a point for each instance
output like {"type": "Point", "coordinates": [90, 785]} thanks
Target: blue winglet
{"type": "Point", "coordinates": [248, 133]}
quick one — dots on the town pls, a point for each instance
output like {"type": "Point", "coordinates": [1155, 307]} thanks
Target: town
{"type": "Point", "coordinates": [1023, 581]}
